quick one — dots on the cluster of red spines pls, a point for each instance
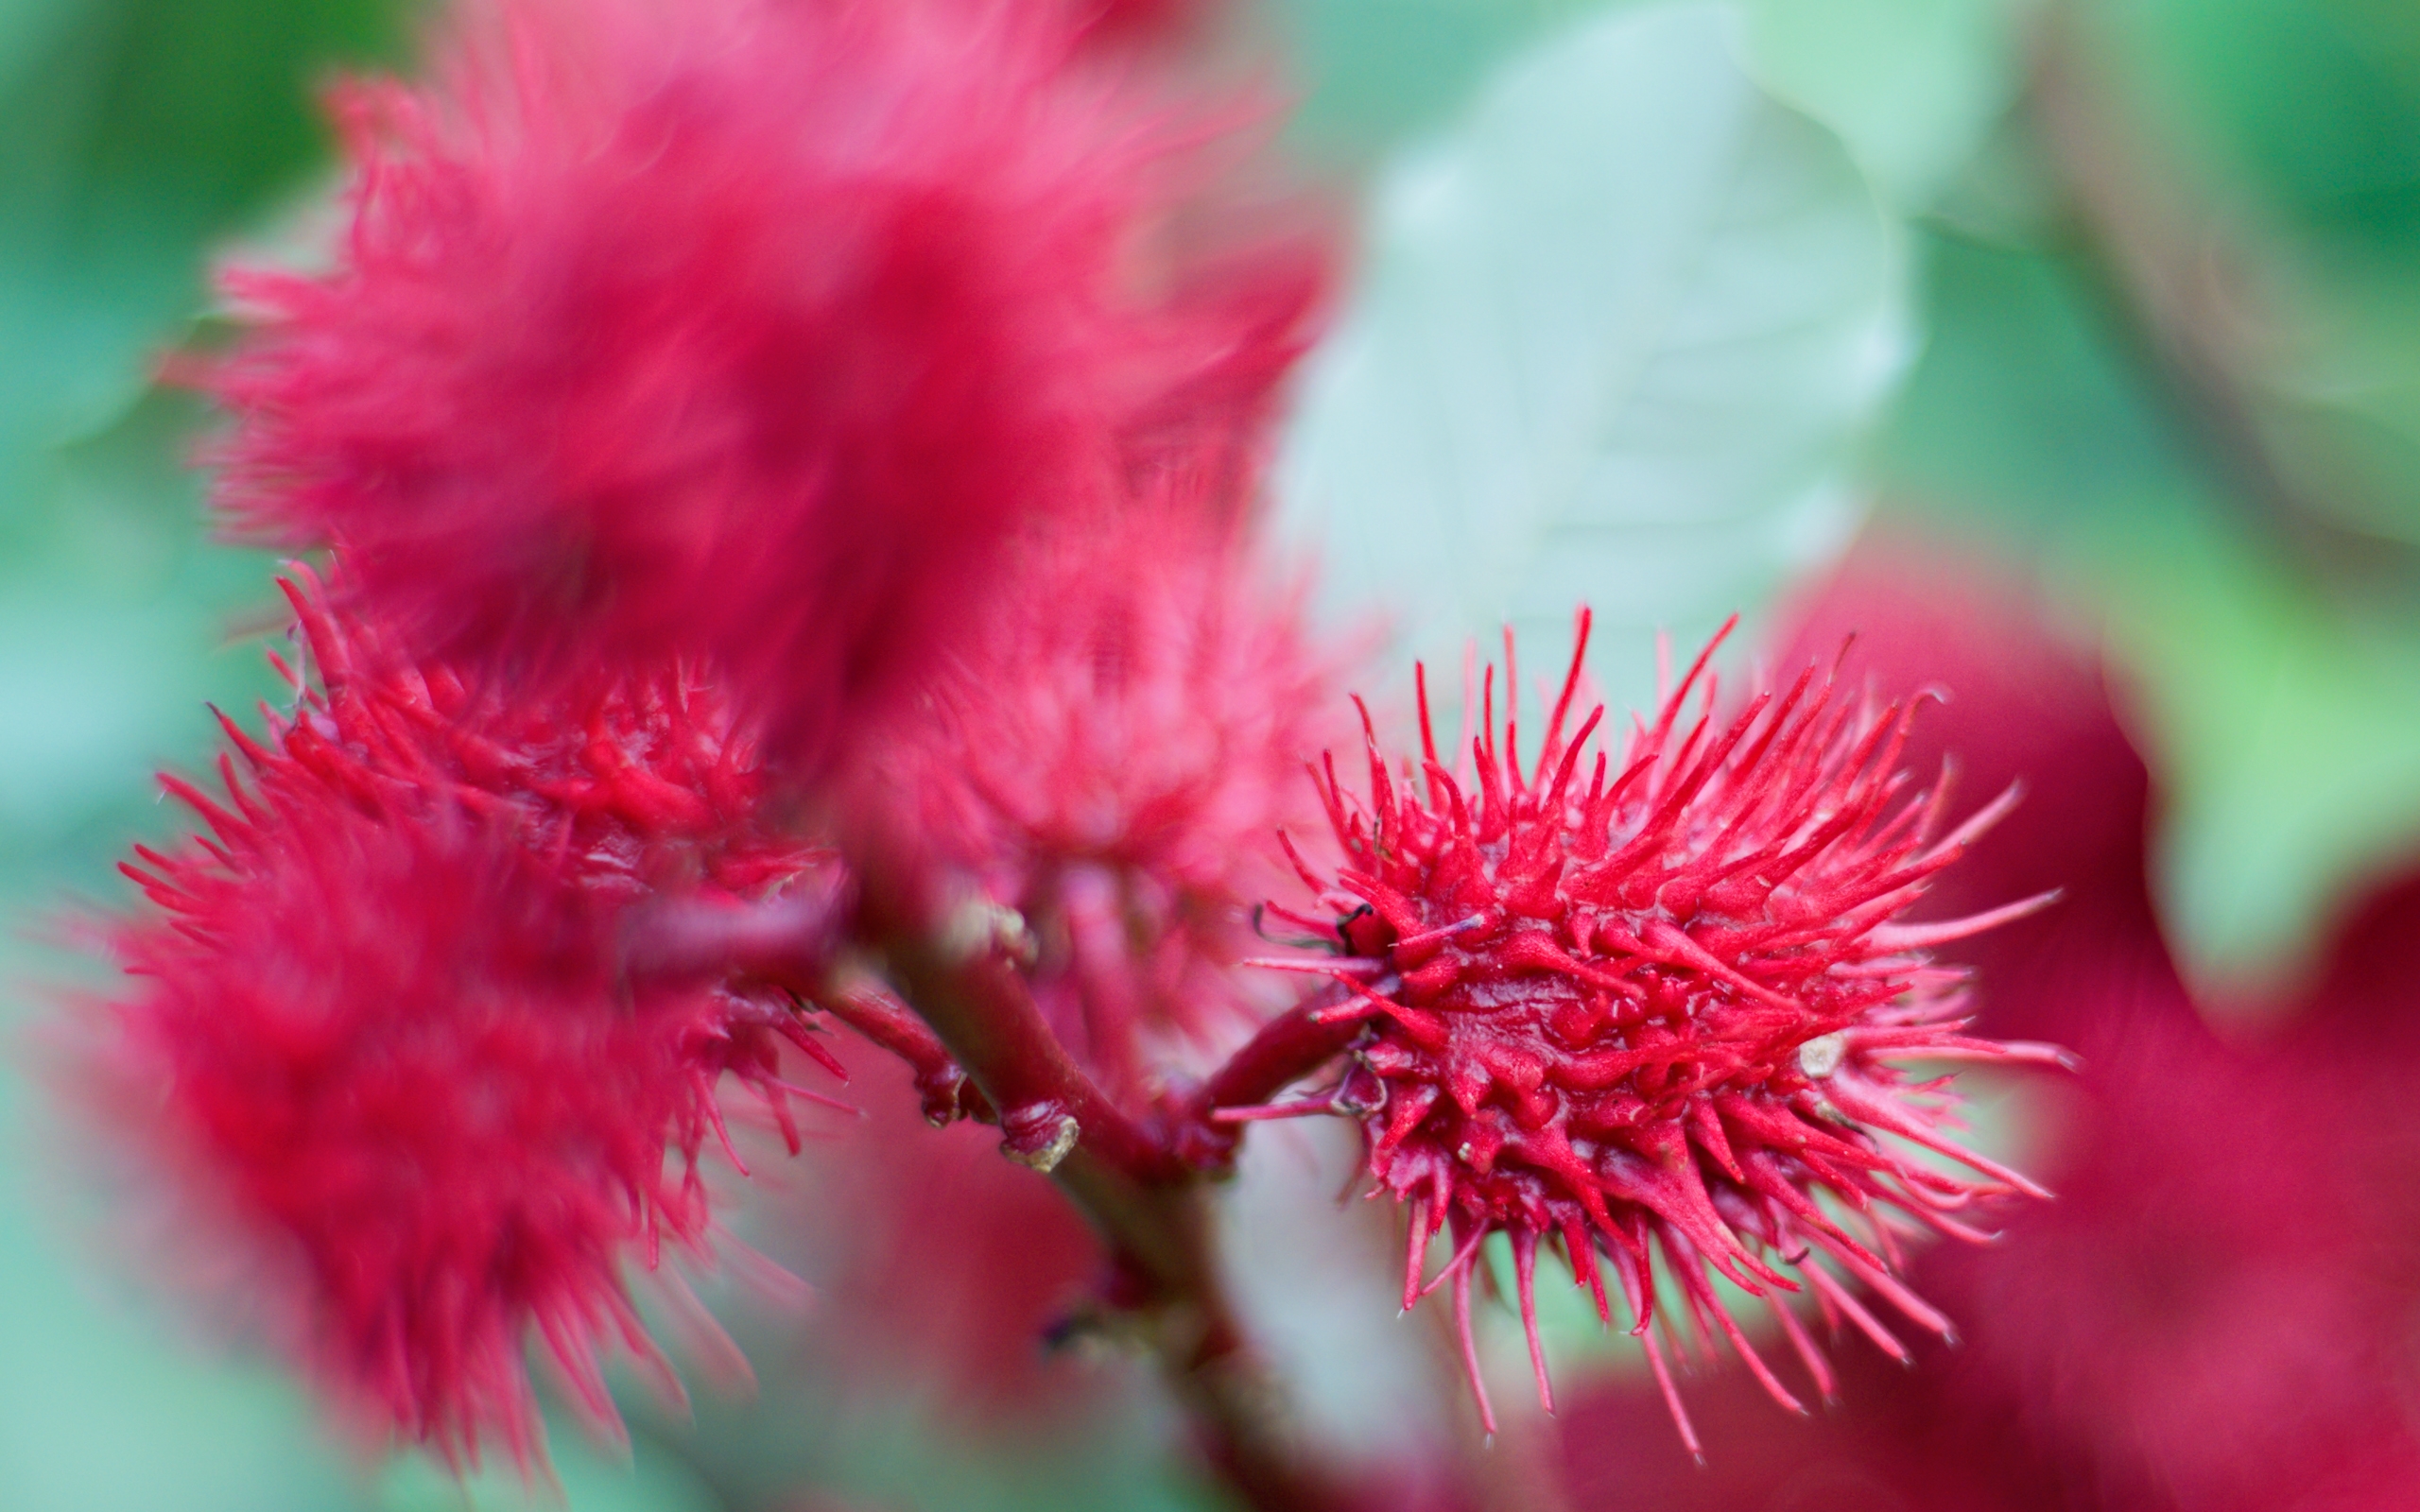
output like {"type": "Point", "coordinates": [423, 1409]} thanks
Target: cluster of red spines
{"type": "Point", "coordinates": [388, 1052]}
{"type": "Point", "coordinates": [736, 327]}
{"type": "Point", "coordinates": [1115, 763]}
{"type": "Point", "coordinates": [645, 769]}
{"type": "Point", "coordinates": [388, 1031]}
{"type": "Point", "coordinates": [1658, 1009]}
{"type": "Point", "coordinates": [688, 377]}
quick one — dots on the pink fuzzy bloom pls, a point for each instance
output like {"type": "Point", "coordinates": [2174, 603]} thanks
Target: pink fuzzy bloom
{"type": "Point", "coordinates": [735, 328]}
{"type": "Point", "coordinates": [1115, 761]}
{"type": "Point", "coordinates": [643, 772]}
{"type": "Point", "coordinates": [386, 1030]}
{"type": "Point", "coordinates": [392, 1051]}
{"type": "Point", "coordinates": [1655, 1004]}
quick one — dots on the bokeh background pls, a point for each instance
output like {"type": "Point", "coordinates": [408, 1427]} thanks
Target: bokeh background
{"type": "Point", "coordinates": [2067, 354]}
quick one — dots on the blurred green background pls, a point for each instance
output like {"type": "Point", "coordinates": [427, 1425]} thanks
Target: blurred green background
{"type": "Point", "coordinates": [2128, 291]}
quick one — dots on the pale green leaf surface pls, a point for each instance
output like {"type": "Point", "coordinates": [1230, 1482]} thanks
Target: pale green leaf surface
{"type": "Point", "coordinates": [2286, 730]}
{"type": "Point", "coordinates": [1373, 72]}
{"type": "Point", "coordinates": [1614, 338]}
{"type": "Point", "coordinates": [1321, 1285]}
{"type": "Point", "coordinates": [1914, 86]}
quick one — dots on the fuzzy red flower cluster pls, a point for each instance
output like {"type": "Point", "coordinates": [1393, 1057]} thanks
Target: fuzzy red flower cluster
{"type": "Point", "coordinates": [1652, 1004]}
{"type": "Point", "coordinates": [426, 1102]}
{"type": "Point", "coordinates": [791, 468]}
{"type": "Point", "coordinates": [386, 1038]}
{"type": "Point", "coordinates": [1114, 763]}
{"type": "Point", "coordinates": [740, 328]}
{"type": "Point", "coordinates": [693, 381]}
{"type": "Point", "coordinates": [640, 774]}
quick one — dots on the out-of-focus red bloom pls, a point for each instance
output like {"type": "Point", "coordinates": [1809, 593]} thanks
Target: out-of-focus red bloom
{"type": "Point", "coordinates": [644, 772]}
{"type": "Point", "coordinates": [2183, 1326]}
{"type": "Point", "coordinates": [385, 1033]}
{"type": "Point", "coordinates": [736, 327]}
{"type": "Point", "coordinates": [1116, 762]}
{"type": "Point", "coordinates": [941, 1270]}
{"type": "Point", "coordinates": [2195, 1323]}
{"type": "Point", "coordinates": [1656, 1005]}
{"type": "Point", "coordinates": [390, 1050]}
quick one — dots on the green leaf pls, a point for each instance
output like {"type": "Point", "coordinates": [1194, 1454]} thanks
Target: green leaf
{"type": "Point", "coordinates": [2285, 724]}
{"type": "Point", "coordinates": [2308, 105]}
{"type": "Point", "coordinates": [1914, 86]}
{"type": "Point", "coordinates": [1375, 71]}
{"type": "Point", "coordinates": [132, 133]}
{"type": "Point", "coordinates": [1615, 337]}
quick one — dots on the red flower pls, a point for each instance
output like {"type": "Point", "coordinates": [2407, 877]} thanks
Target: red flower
{"type": "Point", "coordinates": [386, 1032]}
{"type": "Point", "coordinates": [1655, 1005]}
{"type": "Point", "coordinates": [643, 772]}
{"type": "Point", "coordinates": [1114, 765]}
{"type": "Point", "coordinates": [731, 327]}
{"type": "Point", "coordinates": [393, 1050]}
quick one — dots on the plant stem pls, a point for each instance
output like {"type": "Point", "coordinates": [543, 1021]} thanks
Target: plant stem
{"type": "Point", "coordinates": [980, 1009]}
{"type": "Point", "coordinates": [1146, 1203]}
{"type": "Point", "coordinates": [786, 941]}
{"type": "Point", "coordinates": [1288, 1048]}
{"type": "Point", "coordinates": [871, 1010]}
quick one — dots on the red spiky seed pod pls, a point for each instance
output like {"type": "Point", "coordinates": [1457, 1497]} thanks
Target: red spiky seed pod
{"type": "Point", "coordinates": [736, 327]}
{"type": "Point", "coordinates": [1115, 763]}
{"type": "Point", "coordinates": [389, 1040]}
{"type": "Point", "coordinates": [642, 770]}
{"type": "Point", "coordinates": [386, 1056]}
{"type": "Point", "coordinates": [1656, 1003]}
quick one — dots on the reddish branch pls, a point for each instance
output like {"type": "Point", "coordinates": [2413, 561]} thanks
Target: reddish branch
{"type": "Point", "coordinates": [1287, 1049]}
{"type": "Point", "coordinates": [866, 1007]}
{"type": "Point", "coordinates": [975, 999]}
{"type": "Point", "coordinates": [786, 942]}
{"type": "Point", "coordinates": [980, 1047]}
{"type": "Point", "coordinates": [954, 963]}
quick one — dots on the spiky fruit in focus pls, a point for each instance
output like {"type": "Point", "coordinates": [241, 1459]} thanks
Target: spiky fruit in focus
{"type": "Point", "coordinates": [1115, 763]}
{"type": "Point", "coordinates": [1653, 1006]}
{"type": "Point", "coordinates": [732, 328]}
{"type": "Point", "coordinates": [386, 1036]}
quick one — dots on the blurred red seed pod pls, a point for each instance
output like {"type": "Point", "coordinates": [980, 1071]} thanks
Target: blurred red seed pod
{"type": "Point", "coordinates": [386, 1054]}
{"type": "Point", "coordinates": [1113, 761]}
{"type": "Point", "coordinates": [385, 1035]}
{"type": "Point", "coordinates": [738, 329]}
